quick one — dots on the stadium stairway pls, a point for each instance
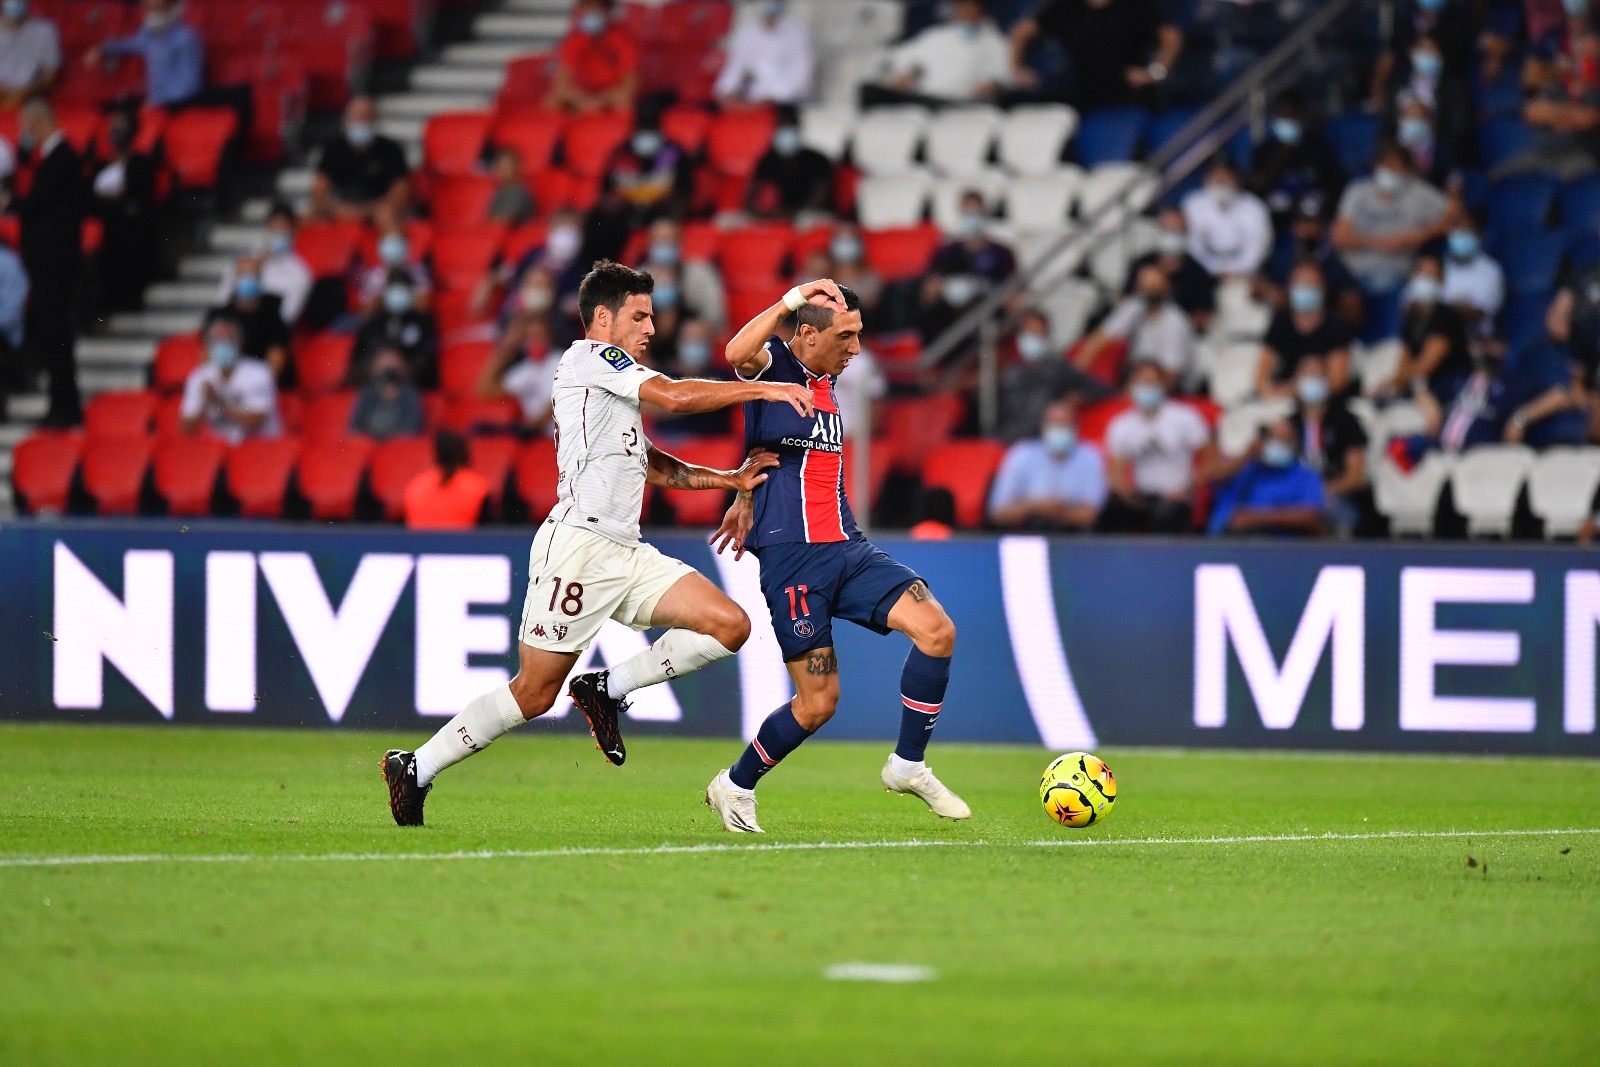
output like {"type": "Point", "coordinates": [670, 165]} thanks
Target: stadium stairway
{"type": "Point", "coordinates": [462, 75]}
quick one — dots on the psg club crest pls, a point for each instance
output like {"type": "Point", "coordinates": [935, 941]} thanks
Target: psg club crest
{"type": "Point", "coordinates": [803, 628]}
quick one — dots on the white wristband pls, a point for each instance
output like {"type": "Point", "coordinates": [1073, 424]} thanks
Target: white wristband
{"type": "Point", "coordinates": [793, 300]}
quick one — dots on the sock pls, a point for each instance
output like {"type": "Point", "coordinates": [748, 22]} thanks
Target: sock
{"type": "Point", "coordinates": [486, 718]}
{"type": "Point", "coordinates": [675, 654]}
{"type": "Point", "coordinates": [922, 683]}
{"type": "Point", "coordinates": [780, 735]}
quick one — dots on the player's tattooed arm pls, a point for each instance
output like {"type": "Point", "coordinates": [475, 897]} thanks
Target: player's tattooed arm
{"type": "Point", "coordinates": [822, 661]}
{"type": "Point", "coordinates": [918, 591]}
{"type": "Point", "coordinates": [670, 472]}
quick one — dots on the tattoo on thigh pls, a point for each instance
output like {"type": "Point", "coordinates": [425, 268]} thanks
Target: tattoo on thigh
{"type": "Point", "coordinates": [823, 662]}
{"type": "Point", "coordinates": [919, 591]}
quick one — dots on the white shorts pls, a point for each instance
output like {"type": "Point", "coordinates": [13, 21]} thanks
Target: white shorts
{"type": "Point", "coordinates": [578, 579]}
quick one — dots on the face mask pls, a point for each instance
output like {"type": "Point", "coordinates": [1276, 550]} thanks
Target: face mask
{"type": "Point", "coordinates": [391, 378]}
{"type": "Point", "coordinates": [1576, 8]}
{"type": "Point", "coordinates": [247, 287]}
{"type": "Point", "coordinates": [694, 355]}
{"type": "Point", "coordinates": [15, 10]}
{"type": "Point", "coordinates": [279, 243]}
{"type": "Point", "coordinates": [1312, 389]}
{"type": "Point", "coordinates": [1059, 440]}
{"type": "Point", "coordinates": [1221, 195]}
{"type": "Point", "coordinates": [562, 244]}
{"type": "Point", "coordinates": [1147, 396]}
{"type": "Point", "coordinates": [360, 134]}
{"type": "Point", "coordinates": [959, 290]}
{"type": "Point", "coordinates": [592, 22]}
{"type": "Point", "coordinates": [666, 295]}
{"type": "Point", "coordinates": [970, 31]}
{"type": "Point", "coordinates": [392, 249]}
{"type": "Point", "coordinates": [1033, 346]}
{"type": "Point", "coordinates": [786, 141]}
{"type": "Point", "coordinates": [1423, 289]}
{"type": "Point", "coordinates": [646, 143]}
{"type": "Point", "coordinates": [1413, 131]}
{"type": "Point", "coordinates": [396, 299]}
{"type": "Point", "coordinates": [973, 223]}
{"type": "Point", "coordinates": [1304, 298]}
{"type": "Point", "coordinates": [771, 11]}
{"type": "Point", "coordinates": [222, 353]}
{"type": "Point", "coordinates": [845, 249]}
{"type": "Point", "coordinates": [1276, 453]}
{"type": "Point", "coordinates": [1172, 243]}
{"type": "Point", "coordinates": [1286, 130]}
{"type": "Point", "coordinates": [27, 141]}
{"type": "Point", "coordinates": [1463, 244]}
{"type": "Point", "coordinates": [1430, 6]}
{"type": "Point", "coordinates": [663, 252]}
{"type": "Point", "coordinates": [156, 21]}
{"type": "Point", "coordinates": [537, 300]}
{"type": "Point", "coordinates": [1428, 64]}
{"type": "Point", "coordinates": [1389, 182]}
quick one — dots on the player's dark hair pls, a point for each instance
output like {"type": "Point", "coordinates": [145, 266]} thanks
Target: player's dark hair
{"type": "Point", "coordinates": [608, 285]}
{"type": "Point", "coordinates": [820, 318]}
{"type": "Point", "coordinates": [936, 505]}
{"type": "Point", "coordinates": [450, 451]}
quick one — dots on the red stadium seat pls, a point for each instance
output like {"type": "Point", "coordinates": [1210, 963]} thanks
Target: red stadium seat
{"type": "Point", "coordinates": [456, 318]}
{"type": "Point", "coordinates": [123, 413]}
{"type": "Point", "coordinates": [913, 428]}
{"type": "Point", "coordinates": [334, 42]}
{"type": "Point", "coordinates": [113, 473]}
{"type": "Point", "coordinates": [524, 239]}
{"type": "Point", "coordinates": [703, 507]}
{"type": "Point", "coordinates": [745, 302]}
{"type": "Point", "coordinates": [1095, 419]}
{"type": "Point", "coordinates": [588, 144]}
{"type": "Point", "coordinates": [533, 134]}
{"type": "Point", "coordinates": [535, 477]}
{"type": "Point", "coordinates": [257, 475]}
{"type": "Point", "coordinates": [322, 362]}
{"type": "Point", "coordinates": [394, 463]}
{"type": "Point", "coordinates": [686, 127]}
{"type": "Point", "coordinates": [698, 241]}
{"type": "Point", "coordinates": [693, 20]}
{"type": "Point", "coordinates": [169, 417]}
{"type": "Point", "coordinates": [810, 240]}
{"type": "Point", "coordinates": [175, 357]}
{"type": "Point", "coordinates": [79, 125]}
{"type": "Point", "coordinates": [330, 476]}
{"type": "Point", "coordinates": [195, 140]}
{"type": "Point", "coordinates": [553, 190]}
{"type": "Point", "coordinates": [397, 26]}
{"type": "Point", "coordinates": [329, 248]}
{"type": "Point", "coordinates": [461, 201]}
{"type": "Point", "coordinates": [903, 252]}
{"type": "Point", "coordinates": [463, 256]}
{"type": "Point", "coordinates": [461, 367]}
{"type": "Point", "coordinates": [878, 462]}
{"type": "Point", "coordinates": [527, 82]}
{"type": "Point", "coordinates": [755, 255]}
{"type": "Point", "coordinates": [434, 404]}
{"type": "Point", "coordinates": [290, 411]}
{"type": "Point", "coordinates": [479, 416]}
{"type": "Point", "coordinates": [452, 141]}
{"type": "Point", "coordinates": [186, 470]}
{"type": "Point", "coordinates": [42, 466]}
{"type": "Point", "coordinates": [965, 468]}
{"type": "Point", "coordinates": [492, 457]}
{"type": "Point", "coordinates": [327, 418]}
{"type": "Point", "coordinates": [738, 139]}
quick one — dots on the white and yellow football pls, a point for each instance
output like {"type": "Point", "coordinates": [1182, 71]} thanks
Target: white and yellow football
{"type": "Point", "coordinates": [1078, 789]}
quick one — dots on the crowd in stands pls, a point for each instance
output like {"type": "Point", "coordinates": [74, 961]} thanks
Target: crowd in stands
{"type": "Point", "coordinates": [1358, 292]}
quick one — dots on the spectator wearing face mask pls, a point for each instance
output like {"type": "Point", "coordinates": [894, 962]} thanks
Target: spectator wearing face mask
{"type": "Point", "coordinates": [1384, 220]}
{"type": "Point", "coordinates": [394, 253]}
{"type": "Point", "coordinates": [388, 405]}
{"type": "Point", "coordinates": [847, 264]}
{"type": "Point", "coordinates": [1563, 107]}
{"type": "Point", "coordinates": [283, 273]}
{"type": "Point", "coordinates": [693, 356]}
{"type": "Point", "coordinates": [962, 271]}
{"type": "Point", "coordinates": [398, 323]}
{"type": "Point", "coordinates": [1145, 327]}
{"type": "Point", "coordinates": [1441, 86]}
{"type": "Point", "coordinates": [1152, 451]}
{"type": "Point", "coordinates": [1037, 377]}
{"type": "Point", "coordinates": [174, 58]}
{"type": "Point", "coordinates": [1432, 48]}
{"type": "Point", "coordinates": [1230, 230]}
{"type": "Point", "coordinates": [30, 54]}
{"type": "Point", "coordinates": [769, 60]}
{"type": "Point", "coordinates": [1293, 171]}
{"type": "Point", "coordinates": [1532, 402]}
{"type": "Point", "coordinates": [231, 394]}
{"type": "Point", "coordinates": [1474, 284]}
{"type": "Point", "coordinates": [1271, 491]}
{"type": "Point", "coordinates": [557, 259]}
{"type": "Point", "coordinates": [791, 181]}
{"type": "Point", "coordinates": [124, 200]}
{"type": "Point", "coordinates": [651, 175]}
{"type": "Point", "coordinates": [962, 60]}
{"type": "Point", "coordinates": [1331, 442]}
{"type": "Point", "coordinates": [450, 495]}
{"type": "Point", "coordinates": [597, 63]}
{"type": "Point", "coordinates": [1051, 482]}
{"type": "Point", "coordinates": [1193, 288]}
{"type": "Point", "coordinates": [524, 368]}
{"type": "Point", "coordinates": [262, 334]}
{"type": "Point", "coordinates": [699, 284]}
{"type": "Point", "coordinates": [1436, 353]}
{"type": "Point", "coordinates": [511, 204]}
{"type": "Point", "coordinates": [360, 170]}
{"type": "Point", "coordinates": [1303, 330]}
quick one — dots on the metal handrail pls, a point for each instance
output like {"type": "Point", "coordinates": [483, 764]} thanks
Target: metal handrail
{"type": "Point", "coordinates": [1174, 161]}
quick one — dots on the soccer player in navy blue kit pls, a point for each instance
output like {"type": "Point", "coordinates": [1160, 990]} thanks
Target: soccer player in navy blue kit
{"type": "Point", "coordinates": [816, 566]}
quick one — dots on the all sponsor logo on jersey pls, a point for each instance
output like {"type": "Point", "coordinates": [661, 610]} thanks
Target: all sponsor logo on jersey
{"type": "Point", "coordinates": [827, 434]}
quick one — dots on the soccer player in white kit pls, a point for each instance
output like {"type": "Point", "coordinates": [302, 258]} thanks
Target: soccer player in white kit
{"type": "Point", "coordinates": [587, 564]}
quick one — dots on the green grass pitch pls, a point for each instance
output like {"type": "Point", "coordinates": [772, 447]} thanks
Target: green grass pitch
{"type": "Point", "coordinates": [1363, 949]}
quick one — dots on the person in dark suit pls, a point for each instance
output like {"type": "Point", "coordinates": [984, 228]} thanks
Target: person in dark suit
{"type": "Point", "coordinates": [51, 217]}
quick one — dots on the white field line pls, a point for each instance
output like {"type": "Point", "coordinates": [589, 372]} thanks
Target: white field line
{"type": "Point", "coordinates": [795, 846]}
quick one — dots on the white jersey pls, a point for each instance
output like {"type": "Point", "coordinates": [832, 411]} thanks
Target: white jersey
{"type": "Point", "coordinates": [600, 442]}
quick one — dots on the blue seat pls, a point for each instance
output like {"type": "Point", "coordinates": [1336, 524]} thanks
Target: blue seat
{"type": "Point", "coordinates": [1583, 249]}
{"type": "Point", "coordinates": [1522, 319]}
{"type": "Point", "coordinates": [1166, 125]}
{"type": "Point", "coordinates": [1501, 139]}
{"type": "Point", "coordinates": [1580, 204]}
{"type": "Point", "coordinates": [1354, 137]}
{"type": "Point", "coordinates": [1502, 100]}
{"type": "Point", "coordinates": [1111, 135]}
{"type": "Point", "coordinates": [1532, 261]}
{"type": "Point", "coordinates": [1521, 203]}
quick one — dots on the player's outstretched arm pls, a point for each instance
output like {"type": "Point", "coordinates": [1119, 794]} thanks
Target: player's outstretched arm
{"type": "Point", "coordinates": [687, 396]}
{"type": "Point", "coordinates": [747, 352]}
{"type": "Point", "coordinates": [670, 472]}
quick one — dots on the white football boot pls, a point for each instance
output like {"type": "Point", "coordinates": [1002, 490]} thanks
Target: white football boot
{"type": "Point", "coordinates": [932, 791]}
{"type": "Point", "coordinates": [736, 806]}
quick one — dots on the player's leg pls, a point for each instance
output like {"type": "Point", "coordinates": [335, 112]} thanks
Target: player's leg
{"type": "Point", "coordinates": [923, 680]}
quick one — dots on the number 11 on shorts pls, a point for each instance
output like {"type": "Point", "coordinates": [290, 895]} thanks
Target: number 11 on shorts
{"type": "Point", "coordinates": [805, 609]}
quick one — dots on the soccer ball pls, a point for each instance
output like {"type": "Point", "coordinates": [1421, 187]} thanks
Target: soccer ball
{"type": "Point", "coordinates": [1077, 789]}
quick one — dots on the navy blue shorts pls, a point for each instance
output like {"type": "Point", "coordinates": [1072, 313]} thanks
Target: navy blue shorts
{"type": "Point", "coordinates": [807, 586]}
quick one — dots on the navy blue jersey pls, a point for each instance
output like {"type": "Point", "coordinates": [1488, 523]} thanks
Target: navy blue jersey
{"type": "Point", "coordinates": [803, 498]}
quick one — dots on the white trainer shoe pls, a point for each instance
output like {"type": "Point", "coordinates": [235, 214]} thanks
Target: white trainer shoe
{"type": "Point", "coordinates": [736, 806]}
{"type": "Point", "coordinates": [932, 791]}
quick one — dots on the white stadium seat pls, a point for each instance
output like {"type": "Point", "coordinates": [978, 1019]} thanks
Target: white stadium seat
{"type": "Point", "coordinates": [947, 194]}
{"type": "Point", "coordinates": [1410, 500]}
{"type": "Point", "coordinates": [1033, 136]}
{"type": "Point", "coordinates": [1043, 201]}
{"type": "Point", "coordinates": [1032, 248]}
{"type": "Point", "coordinates": [886, 139]}
{"type": "Point", "coordinates": [1069, 307]}
{"type": "Point", "coordinates": [849, 23]}
{"type": "Point", "coordinates": [889, 200]}
{"type": "Point", "coordinates": [841, 74]}
{"type": "Point", "coordinates": [1239, 426]}
{"type": "Point", "coordinates": [1375, 364]}
{"type": "Point", "coordinates": [959, 139]}
{"type": "Point", "coordinates": [1561, 489]}
{"type": "Point", "coordinates": [827, 128]}
{"type": "Point", "coordinates": [1240, 316]}
{"type": "Point", "coordinates": [1108, 182]}
{"type": "Point", "coordinates": [1111, 258]}
{"type": "Point", "coordinates": [1232, 374]}
{"type": "Point", "coordinates": [1486, 482]}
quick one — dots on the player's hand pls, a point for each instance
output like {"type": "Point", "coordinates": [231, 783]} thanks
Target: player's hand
{"type": "Point", "coordinates": [823, 292]}
{"type": "Point", "coordinates": [750, 475]}
{"type": "Point", "coordinates": [796, 396]}
{"type": "Point", "coordinates": [735, 527]}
